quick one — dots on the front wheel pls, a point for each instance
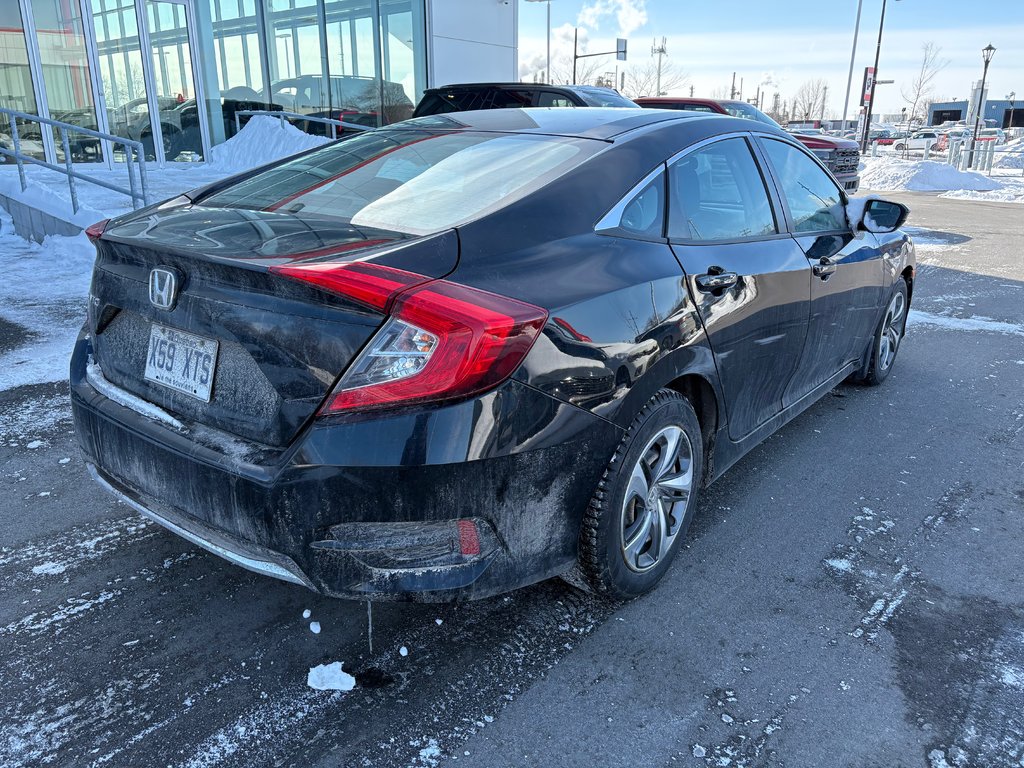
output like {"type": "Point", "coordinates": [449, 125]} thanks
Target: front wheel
{"type": "Point", "coordinates": [887, 339]}
{"type": "Point", "coordinates": [639, 514]}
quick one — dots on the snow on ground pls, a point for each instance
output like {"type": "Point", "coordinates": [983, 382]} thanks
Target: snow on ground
{"type": "Point", "coordinates": [889, 173]}
{"type": "Point", "coordinates": [44, 291]}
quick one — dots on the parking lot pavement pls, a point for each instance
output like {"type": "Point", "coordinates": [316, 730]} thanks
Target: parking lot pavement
{"type": "Point", "coordinates": [850, 595]}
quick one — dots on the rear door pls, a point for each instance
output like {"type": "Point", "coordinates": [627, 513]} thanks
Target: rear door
{"type": "Point", "coordinates": [748, 278]}
{"type": "Point", "coordinates": [846, 281]}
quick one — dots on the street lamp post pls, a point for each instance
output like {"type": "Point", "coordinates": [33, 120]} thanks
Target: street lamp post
{"type": "Point", "coordinates": [986, 56]}
{"type": "Point", "coordinates": [1010, 97]}
{"type": "Point", "coordinates": [547, 73]}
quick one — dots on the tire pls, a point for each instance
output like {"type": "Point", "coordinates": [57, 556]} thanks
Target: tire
{"type": "Point", "coordinates": [900, 147]}
{"type": "Point", "coordinates": [633, 528]}
{"type": "Point", "coordinates": [888, 338]}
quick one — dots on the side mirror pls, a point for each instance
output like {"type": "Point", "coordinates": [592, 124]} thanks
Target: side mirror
{"type": "Point", "coordinates": [869, 214]}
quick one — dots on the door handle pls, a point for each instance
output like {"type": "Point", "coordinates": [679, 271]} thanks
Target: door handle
{"type": "Point", "coordinates": [824, 268]}
{"type": "Point", "coordinates": [716, 280]}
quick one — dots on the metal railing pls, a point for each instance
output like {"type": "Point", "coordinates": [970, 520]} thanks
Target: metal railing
{"type": "Point", "coordinates": [282, 116]}
{"type": "Point", "coordinates": [137, 189]}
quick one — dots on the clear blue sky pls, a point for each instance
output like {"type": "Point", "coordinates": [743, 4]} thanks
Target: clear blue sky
{"type": "Point", "coordinates": [783, 44]}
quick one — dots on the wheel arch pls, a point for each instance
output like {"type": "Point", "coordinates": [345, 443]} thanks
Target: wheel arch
{"type": "Point", "coordinates": [908, 275]}
{"type": "Point", "coordinates": [701, 394]}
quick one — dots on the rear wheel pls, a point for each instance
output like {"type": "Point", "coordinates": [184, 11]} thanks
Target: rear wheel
{"type": "Point", "coordinates": [900, 147]}
{"type": "Point", "coordinates": [641, 509]}
{"type": "Point", "coordinates": [888, 337]}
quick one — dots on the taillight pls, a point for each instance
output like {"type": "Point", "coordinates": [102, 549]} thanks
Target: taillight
{"type": "Point", "coordinates": [441, 341]}
{"type": "Point", "coordinates": [93, 231]}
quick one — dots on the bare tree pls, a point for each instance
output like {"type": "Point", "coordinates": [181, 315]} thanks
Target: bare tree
{"type": "Point", "coordinates": [809, 99]}
{"type": "Point", "coordinates": [917, 92]}
{"type": "Point", "coordinates": [587, 70]}
{"type": "Point", "coordinates": [643, 80]}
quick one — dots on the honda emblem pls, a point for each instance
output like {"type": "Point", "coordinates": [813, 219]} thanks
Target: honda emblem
{"type": "Point", "coordinates": [163, 288]}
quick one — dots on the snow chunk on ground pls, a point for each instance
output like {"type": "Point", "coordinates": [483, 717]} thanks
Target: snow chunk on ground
{"type": "Point", "coordinates": [314, 627]}
{"type": "Point", "coordinates": [262, 140]}
{"type": "Point", "coordinates": [330, 677]}
{"type": "Point", "coordinates": [307, 613]}
{"type": "Point", "coordinates": [403, 651]}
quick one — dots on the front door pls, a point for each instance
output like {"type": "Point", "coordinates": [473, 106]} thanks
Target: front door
{"type": "Point", "coordinates": [750, 281]}
{"type": "Point", "coordinates": [846, 282]}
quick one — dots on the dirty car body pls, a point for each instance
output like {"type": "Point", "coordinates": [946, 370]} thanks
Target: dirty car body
{"type": "Point", "coordinates": [561, 286]}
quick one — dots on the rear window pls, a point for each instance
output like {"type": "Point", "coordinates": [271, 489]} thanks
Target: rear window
{"type": "Point", "coordinates": [604, 97]}
{"type": "Point", "coordinates": [409, 182]}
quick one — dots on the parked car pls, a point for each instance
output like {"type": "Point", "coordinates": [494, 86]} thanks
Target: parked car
{"type": "Point", "coordinates": [992, 134]}
{"type": "Point", "coordinates": [841, 156]}
{"type": "Point", "coordinates": [920, 140]}
{"type": "Point", "coordinates": [464, 353]}
{"type": "Point", "coordinates": [470, 96]}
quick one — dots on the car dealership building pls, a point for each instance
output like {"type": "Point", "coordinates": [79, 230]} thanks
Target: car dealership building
{"type": "Point", "coordinates": [172, 73]}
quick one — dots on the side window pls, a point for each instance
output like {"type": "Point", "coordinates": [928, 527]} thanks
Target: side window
{"type": "Point", "coordinates": [697, 108]}
{"type": "Point", "coordinates": [503, 99]}
{"type": "Point", "coordinates": [551, 99]}
{"type": "Point", "coordinates": [434, 104]}
{"type": "Point", "coordinates": [717, 193]}
{"type": "Point", "coordinates": [641, 215]}
{"type": "Point", "coordinates": [815, 202]}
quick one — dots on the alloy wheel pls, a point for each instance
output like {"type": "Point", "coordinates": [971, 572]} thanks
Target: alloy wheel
{"type": "Point", "coordinates": [656, 498]}
{"type": "Point", "coordinates": [892, 331]}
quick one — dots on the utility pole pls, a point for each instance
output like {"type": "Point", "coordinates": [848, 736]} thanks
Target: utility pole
{"type": "Point", "coordinates": [732, 89]}
{"type": "Point", "coordinates": [659, 51]}
{"type": "Point", "coordinates": [691, 92]}
{"type": "Point", "coordinates": [575, 40]}
{"type": "Point", "coordinates": [865, 140]}
{"type": "Point", "coordinates": [741, 89]}
{"type": "Point", "coordinates": [824, 101]}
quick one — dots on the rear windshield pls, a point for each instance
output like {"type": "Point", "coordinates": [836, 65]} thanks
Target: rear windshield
{"type": "Point", "coordinates": [603, 97]}
{"type": "Point", "coordinates": [749, 111]}
{"type": "Point", "coordinates": [407, 181]}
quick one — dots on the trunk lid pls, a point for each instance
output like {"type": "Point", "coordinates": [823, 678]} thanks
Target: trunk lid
{"type": "Point", "coordinates": [281, 343]}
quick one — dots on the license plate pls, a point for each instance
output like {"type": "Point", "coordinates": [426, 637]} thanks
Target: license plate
{"type": "Point", "coordinates": [181, 361]}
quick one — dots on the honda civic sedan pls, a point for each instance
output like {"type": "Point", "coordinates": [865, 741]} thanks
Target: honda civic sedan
{"type": "Point", "coordinates": [468, 352]}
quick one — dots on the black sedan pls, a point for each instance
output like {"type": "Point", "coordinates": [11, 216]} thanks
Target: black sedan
{"type": "Point", "coordinates": [464, 353]}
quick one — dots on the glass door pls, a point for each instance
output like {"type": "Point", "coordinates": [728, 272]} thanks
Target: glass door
{"type": "Point", "coordinates": [178, 126]}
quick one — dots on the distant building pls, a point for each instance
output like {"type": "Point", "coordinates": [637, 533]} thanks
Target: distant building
{"type": "Point", "coordinates": [999, 113]}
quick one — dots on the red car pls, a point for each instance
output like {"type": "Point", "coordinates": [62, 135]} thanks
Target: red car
{"type": "Point", "coordinates": [841, 156]}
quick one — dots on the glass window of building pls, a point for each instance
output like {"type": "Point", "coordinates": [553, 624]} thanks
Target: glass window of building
{"type": "Point", "coordinates": [120, 69]}
{"type": "Point", "coordinates": [16, 82]}
{"type": "Point", "coordinates": [65, 67]}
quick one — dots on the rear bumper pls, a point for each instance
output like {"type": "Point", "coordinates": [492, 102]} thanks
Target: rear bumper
{"type": "Point", "coordinates": [449, 503]}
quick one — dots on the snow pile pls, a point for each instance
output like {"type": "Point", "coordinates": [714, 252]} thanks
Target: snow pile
{"type": "Point", "coordinates": [1010, 155]}
{"type": "Point", "coordinates": [892, 174]}
{"type": "Point", "coordinates": [330, 677]}
{"type": "Point", "coordinates": [262, 140]}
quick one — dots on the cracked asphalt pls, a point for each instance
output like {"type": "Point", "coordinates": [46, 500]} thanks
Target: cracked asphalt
{"type": "Point", "coordinates": [850, 595]}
